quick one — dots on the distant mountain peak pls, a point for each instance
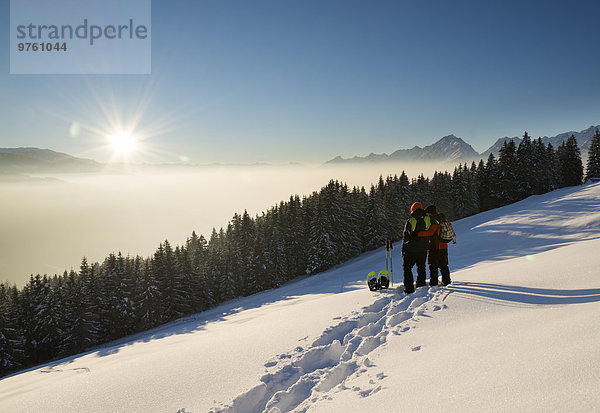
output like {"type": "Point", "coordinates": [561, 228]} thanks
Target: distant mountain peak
{"type": "Point", "coordinates": [448, 148]}
{"type": "Point", "coordinates": [583, 138]}
{"type": "Point", "coordinates": [451, 148]}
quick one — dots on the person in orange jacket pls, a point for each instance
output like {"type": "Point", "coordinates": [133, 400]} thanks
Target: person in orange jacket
{"type": "Point", "coordinates": [438, 250]}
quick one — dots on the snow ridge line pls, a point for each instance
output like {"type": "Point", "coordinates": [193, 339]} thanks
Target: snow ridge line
{"type": "Point", "coordinates": [304, 376]}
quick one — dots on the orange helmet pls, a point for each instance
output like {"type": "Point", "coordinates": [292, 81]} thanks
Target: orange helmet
{"type": "Point", "coordinates": [415, 206]}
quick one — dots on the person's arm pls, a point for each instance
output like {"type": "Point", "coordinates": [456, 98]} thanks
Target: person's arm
{"type": "Point", "coordinates": [405, 236]}
{"type": "Point", "coordinates": [430, 232]}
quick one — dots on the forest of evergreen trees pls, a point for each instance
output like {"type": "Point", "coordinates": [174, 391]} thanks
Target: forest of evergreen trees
{"type": "Point", "coordinates": [61, 315]}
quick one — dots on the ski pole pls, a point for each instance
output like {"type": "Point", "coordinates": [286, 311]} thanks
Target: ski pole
{"type": "Point", "coordinates": [391, 266]}
{"type": "Point", "coordinates": [386, 254]}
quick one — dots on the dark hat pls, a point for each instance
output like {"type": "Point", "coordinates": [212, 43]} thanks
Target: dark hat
{"type": "Point", "coordinates": [431, 209]}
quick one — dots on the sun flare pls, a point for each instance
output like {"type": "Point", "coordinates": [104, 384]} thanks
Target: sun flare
{"type": "Point", "coordinates": [123, 143]}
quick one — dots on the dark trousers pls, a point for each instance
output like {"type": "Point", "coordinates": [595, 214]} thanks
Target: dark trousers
{"type": "Point", "coordinates": [409, 260]}
{"type": "Point", "coordinates": [438, 259]}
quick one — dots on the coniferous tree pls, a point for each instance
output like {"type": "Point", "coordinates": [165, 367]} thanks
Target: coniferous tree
{"type": "Point", "coordinates": [346, 223]}
{"type": "Point", "coordinates": [92, 300]}
{"type": "Point", "coordinates": [405, 200]}
{"type": "Point", "coordinates": [76, 335]}
{"type": "Point", "coordinates": [473, 192]}
{"type": "Point", "coordinates": [391, 200]}
{"type": "Point", "coordinates": [464, 193]}
{"type": "Point", "coordinates": [279, 249]}
{"type": "Point", "coordinates": [197, 251]}
{"type": "Point", "coordinates": [217, 270]}
{"type": "Point", "coordinates": [441, 193]}
{"type": "Point", "coordinates": [376, 232]}
{"type": "Point", "coordinates": [551, 170]}
{"type": "Point", "coordinates": [234, 256]}
{"type": "Point", "coordinates": [397, 205]}
{"type": "Point", "coordinates": [459, 193]}
{"type": "Point", "coordinates": [320, 248]}
{"type": "Point", "coordinates": [47, 327]}
{"type": "Point", "coordinates": [164, 270]}
{"type": "Point", "coordinates": [333, 238]}
{"type": "Point", "coordinates": [112, 294]}
{"type": "Point", "coordinates": [147, 299]}
{"type": "Point", "coordinates": [507, 174]}
{"type": "Point", "coordinates": [184, 281]}
{"type": "Point", "coordinates": [524, 168]}
{"type": "Point", "coordinates": [561, 157]}
{"type": "Point", "coordinates": [362, 205]}
{"type": "Point", "coordinates": [492, 171]}
{"type": "Point", "coordinates": [570, 165]}
{"type": "Point", "coordinates": [128, 274]}
{"type": "Point", "coordinates": [420, 190]}
{"type": "Point", "coordinates": [29, 300]}
{"type": "Point", "coordinates": [247, 241]}
{"type": "Point", "coordinates": [593, 163]}
{"type": "Point", "coordinates": [538, 164]}
{"type": "Point", "coordinates": [11, 336]}
{"type": "Point", "coordinates": [295, 234]}
{"type": "Point", "coordinates": [266, 270]}
{"type": "Point", "coordinates": [483, 188]}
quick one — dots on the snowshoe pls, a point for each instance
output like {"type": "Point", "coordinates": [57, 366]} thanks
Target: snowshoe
{"type": "Point", "coordinates": [372, 281]}
{"type": "Point", "coordinates": [384, 279]}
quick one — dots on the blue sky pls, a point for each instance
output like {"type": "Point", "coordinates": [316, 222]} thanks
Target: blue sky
{"type": "Point", "coordinates": [304, 81]}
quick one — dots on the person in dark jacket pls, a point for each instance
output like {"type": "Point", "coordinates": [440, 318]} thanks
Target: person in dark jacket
{"type": "Point", "coordinates": [414, 248]}
{"type": "Point", "coordinates": [438, 250]}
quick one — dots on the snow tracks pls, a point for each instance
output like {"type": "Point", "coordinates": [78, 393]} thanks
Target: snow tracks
{"type": "Point", "coordinates": [296, 380]}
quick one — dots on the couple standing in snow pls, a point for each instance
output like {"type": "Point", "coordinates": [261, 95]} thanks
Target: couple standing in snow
{"type": "Point", "coordinates": [422, 238]}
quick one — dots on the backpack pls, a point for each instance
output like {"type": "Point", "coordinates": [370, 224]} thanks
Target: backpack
{"type": "Point", "coordinates": [447, 233]}
{"type": "Point", "coordinates": [412, 221]}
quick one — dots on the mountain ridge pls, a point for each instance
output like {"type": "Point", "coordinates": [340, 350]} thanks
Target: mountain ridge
{"type": "Point", "coordinates": [30, 159]}
{"type": "Point", "coordinates": [451, 148]}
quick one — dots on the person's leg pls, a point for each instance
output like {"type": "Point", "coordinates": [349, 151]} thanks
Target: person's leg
{"type": "Point", "coordinates": [408, 260]}
{"type": "Point", "coordinates": [444, 269]}
{"type": "Point", "coordinates": [432, 259]}
{"type": "Point", "coordinates": [421, 258]}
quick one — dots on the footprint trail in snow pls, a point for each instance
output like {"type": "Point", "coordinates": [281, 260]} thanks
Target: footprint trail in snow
{"type": "Point", "coordinates": [297, 380]}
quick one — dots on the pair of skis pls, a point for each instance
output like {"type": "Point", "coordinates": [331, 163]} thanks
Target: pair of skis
{"type": "Point", "coordinates": [382, 280]}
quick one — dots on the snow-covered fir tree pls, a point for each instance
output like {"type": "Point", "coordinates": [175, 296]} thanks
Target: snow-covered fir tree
{"type": "Point", "coordinates": [570, 164]}
{"type": "Point", "coordinates": [593, 163]}
{"type": "Point", "coordinates": [525, 167]}
{"type": "Point", "coordinates": [507, 177]}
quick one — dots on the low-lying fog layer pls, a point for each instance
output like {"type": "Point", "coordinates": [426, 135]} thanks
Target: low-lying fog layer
{"type": "Point", "coordinates": [48, 225]}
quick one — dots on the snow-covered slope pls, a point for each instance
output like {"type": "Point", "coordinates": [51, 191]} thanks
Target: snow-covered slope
{"type": "Point", "coordinates": [516, 331]}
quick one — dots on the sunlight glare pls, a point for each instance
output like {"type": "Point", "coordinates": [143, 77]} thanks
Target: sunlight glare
{"type": "Point", "coordinates": [122, 142]}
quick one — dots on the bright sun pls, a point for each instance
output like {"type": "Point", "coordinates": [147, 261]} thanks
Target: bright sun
{"type": "Point", "coordinates": [122, 142]}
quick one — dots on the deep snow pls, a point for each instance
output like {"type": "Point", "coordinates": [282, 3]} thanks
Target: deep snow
{"type": "Point", "coordinates": [517, 330]}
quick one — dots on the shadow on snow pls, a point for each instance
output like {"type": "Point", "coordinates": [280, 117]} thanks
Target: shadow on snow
{"type": "Point", "coordinates": [537, 224]}
{"type": "Point", "coordinates": [524, 295]}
